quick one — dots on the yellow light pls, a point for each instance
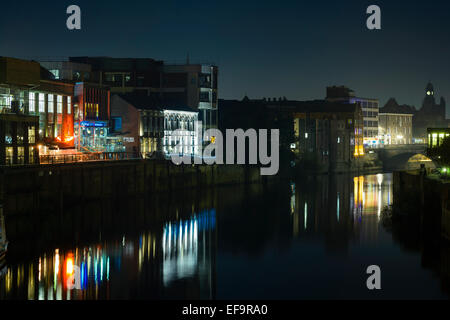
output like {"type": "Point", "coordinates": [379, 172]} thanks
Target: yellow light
{"type": "Point", "coordinates": [69, 266]}
{"type": "Point", "coordinates": [213, 140]}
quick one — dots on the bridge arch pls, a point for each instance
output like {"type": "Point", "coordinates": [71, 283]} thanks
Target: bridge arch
{"type": "Point", "coordinates": [409, 161]}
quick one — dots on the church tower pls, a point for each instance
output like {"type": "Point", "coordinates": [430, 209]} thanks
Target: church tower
{"type": "Point", "coordinates": [429, 90]}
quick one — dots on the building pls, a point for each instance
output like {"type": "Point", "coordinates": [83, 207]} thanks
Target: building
{"type": "Point", "coordinates": [329, 134]}
{"type": "Point", "coordinates": [53, 101]}
{"type": "Point", "coordinates": [91, 105]}
{"type": "Point", "coordinates": [430, 115]}
{"type": "Point", "coordinates": [186, 142]}
{"type": "Point", "coordinates": [124, 75]}
{"type": "Point", "coordinates": [67, 70]}
{"type": "Point", "coordinates": [370, 109]}
{"type": "Point", "coordinates": [435, 136]}
{"type": "Point", "coordinates": [395, 123]}
{"type": "Point", "coordinates": [92, 113]}
{"type": "Point", "coordinates": [33, 108]}
{"type": "Point", "coordinates": [195, 86]}
{"type": "Point", "coordinates": [138, 123]}
{"type": "Point", "coordinates": [191, 85]}
{"type": "Point", "coordinates": [146, 126]}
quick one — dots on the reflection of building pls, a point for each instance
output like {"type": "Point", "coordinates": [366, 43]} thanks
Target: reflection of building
{"type": "Point", "coordinates": [32, 108]}
{"type": "Point", "coordinates": [186, 248]}
{"type": "Point", "coordinates": [369, 107]}
{"type": "Point", "coordinates": [156, 264]}
{"type": "Point", "coordinates": [395, 124]}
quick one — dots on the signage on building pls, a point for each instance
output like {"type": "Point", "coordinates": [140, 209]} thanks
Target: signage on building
{"type": "Point", "coordinates": [128, 139]}
{"type": "Point", "coordinates": [97, 124]}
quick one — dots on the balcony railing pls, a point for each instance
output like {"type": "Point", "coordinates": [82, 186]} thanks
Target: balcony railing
{"type": "Point", "coordinates": [88, 157]}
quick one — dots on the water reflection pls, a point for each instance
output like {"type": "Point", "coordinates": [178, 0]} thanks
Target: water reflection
{"type": "Point", "coordinates": [279, 241]}
{"type": "Point", "coordinates": [353, 204]}
{"type": "Point", "coordinates": [91, 272]}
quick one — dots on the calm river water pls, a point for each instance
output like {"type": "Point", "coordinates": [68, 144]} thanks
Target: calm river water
{"type": "Point", "coordinates": [309, 240]}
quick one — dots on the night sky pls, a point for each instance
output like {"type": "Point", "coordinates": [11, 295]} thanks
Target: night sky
{"type": "Point", "coordinates": [263, 48]}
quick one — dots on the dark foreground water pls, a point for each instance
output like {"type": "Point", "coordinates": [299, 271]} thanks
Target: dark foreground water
{"type": "Point", "coordinates": [308, 240]}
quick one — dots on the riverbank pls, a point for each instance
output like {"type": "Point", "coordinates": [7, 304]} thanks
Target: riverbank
{"type": "Point", "coordinates": [25, 189]}
{"type": "Point", "coordinates": [424, 197]}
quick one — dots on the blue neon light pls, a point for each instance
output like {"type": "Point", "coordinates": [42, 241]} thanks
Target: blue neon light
{"type": "Point", "coordinates": [93, 124]}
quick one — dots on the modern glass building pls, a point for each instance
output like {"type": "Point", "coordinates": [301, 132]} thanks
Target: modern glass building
{"type": "Point", "coordinates": [34, 109]}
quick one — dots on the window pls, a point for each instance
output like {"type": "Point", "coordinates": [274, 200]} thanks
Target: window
{"type": "Point", "coordinates": [9, 155]}
{"type": "Point", "coordinates": [55, 73]}
{"type": "Point", "coordinates": [114, 79]}
{"type": "Point", "coordinates": [204, 96]}
{"type": "Point", "coordinates": [31, 134]}
{"type": "Point", "coordinates": [51, 104]}
{"type": "Point", "coordinates": [5, 99]}
{"type": "Point", "coordinates": [20, 155]}
{"type": "Point", "coordinates": [20, 133]}
{"type": "Point", "coordinates": [31, 155]}
{"type": "Point", "coordinates": [59, 104]}
{"type": "Point", "coordinates": [69, 105]}
{"type": "Point", "coordinates": [31, 102]}
{"type": "Point", "coordinates": [8, 133]}
{"type": "Point", "coordinates": [117, 123]}
{"type": "Point", "coordinates": [41, 102]}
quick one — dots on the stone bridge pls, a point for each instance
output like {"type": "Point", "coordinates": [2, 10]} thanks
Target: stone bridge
{"type": "Point", "coordinates": [404, 157]}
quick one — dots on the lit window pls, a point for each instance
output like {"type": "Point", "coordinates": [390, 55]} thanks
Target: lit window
{"type": "Point", "coordinates": [31, 102]}
{"type": "Point", "coordinates": [51, 104]}
{"type": "Point", "coordinates": [69, 105]}
{"type": "Point", "coordinates": [41, 102]}
{"type": "Point", "coordinates": [55, 73]}
{"type": "Point", "coordinates": [31, 135]}
{"type": "Point", "coordinates": [59, 104]}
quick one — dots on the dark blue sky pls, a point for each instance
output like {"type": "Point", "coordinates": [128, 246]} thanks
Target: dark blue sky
{"type": "Point", "coordinates": [263, 48]}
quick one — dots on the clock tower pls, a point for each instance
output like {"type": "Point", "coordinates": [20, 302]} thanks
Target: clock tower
{"type": "Point", "coordinates": [429, 90]}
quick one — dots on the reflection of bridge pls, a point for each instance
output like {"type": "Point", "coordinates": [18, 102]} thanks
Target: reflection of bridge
{"type": "Point", "coordinates": [404, 156]}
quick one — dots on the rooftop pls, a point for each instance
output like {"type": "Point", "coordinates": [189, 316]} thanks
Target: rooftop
{"type": "Point", "coordinates": [145, 102]}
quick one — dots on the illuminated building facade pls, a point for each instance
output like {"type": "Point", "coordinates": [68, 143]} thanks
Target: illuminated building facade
{"type": "Point", "coordinates": [370, 108]}
{"type": "Point", "coordinates": [395, 123]}
{"type": "Point", "coordinates": [436, 136]}
{"type": "Point", "coordinates": [195, 86]}
{"type": "Point", "coordinates": [183, 119]}
{"type": "Point", "coordinates": [192, 85]}
{"type": "Point", "coordinates": [138, 123]}
{"type": "Point", "coordinates": [92, 117]}
{"type": "Point", "coordinates": [33, 108]}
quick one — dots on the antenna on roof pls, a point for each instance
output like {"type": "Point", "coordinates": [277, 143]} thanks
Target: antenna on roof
{"type": "Point", "coordinates": [187, 58]}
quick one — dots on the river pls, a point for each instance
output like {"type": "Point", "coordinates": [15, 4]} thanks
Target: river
{"type": "Point", "coordinates": [307, 240]}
